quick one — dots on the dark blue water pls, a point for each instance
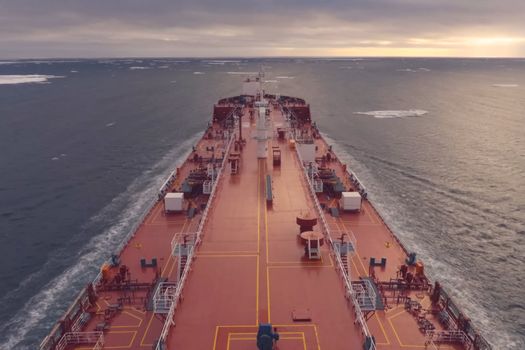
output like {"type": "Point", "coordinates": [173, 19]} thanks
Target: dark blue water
{"type": "Point", "coordinates": [440, 144]}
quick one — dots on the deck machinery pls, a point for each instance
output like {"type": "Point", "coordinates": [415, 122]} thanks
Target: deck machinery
{"type": "Point", "coordinates": [232, 266]}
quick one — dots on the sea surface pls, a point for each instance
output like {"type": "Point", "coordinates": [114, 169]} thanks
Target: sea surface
{"type": "Point", "coordinates": [85, 144]}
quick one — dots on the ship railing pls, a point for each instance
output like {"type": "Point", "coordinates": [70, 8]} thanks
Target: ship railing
{"type": "Point", "coordinates": [359, 316]}
{"type": "Point", "coordinates": [81, 338]}
{"type": "Point", "coordinates": [180, 284]}
{"type": "Point", "coordinates": [365, 294]}
{"type": "Point", "coordinates": [167, 184]}
{"type": "Point", "coordinates": [164, 297]}
{"type": "Point", "coordinates": [445, 336]}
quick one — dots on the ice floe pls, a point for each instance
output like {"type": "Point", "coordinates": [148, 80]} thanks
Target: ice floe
{"type": "Point", "coordinates": [505, 85]}
{"type": "Point", "coordinates": [29, 78]}
{"type": "Point", "coordinates": [395, 113]}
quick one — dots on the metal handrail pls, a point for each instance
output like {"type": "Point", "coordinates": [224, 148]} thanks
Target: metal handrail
{"type": "Point", "coordinates": [96, 338]}
{"type": "Point", "coordinates": [344, 274]}
{"type": "Point", "coordinates": [180, 284]}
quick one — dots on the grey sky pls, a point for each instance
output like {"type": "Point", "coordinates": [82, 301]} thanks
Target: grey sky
{"type": "Point", "coordinates": [106, 28]}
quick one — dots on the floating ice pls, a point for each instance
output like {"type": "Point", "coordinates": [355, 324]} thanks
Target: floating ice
{"type": "Point", "coordinates": [247, 73]}
{"type": "Point", "coordinates": [30, 78]}
{"type": "Point", "coordinates": [410, 70]}
{"type": "Point", "coordinates": [395, 113]}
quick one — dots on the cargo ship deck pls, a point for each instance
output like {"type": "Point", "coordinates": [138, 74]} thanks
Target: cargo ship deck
{"type": "Point", "coordinates": [234, 257]}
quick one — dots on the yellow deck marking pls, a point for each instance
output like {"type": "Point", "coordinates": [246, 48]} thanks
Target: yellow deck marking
{"type": "Point", "coordinates": [129, 326]}
{"type": "Point", "coordinates": [317, 337]}
{"type": "Point", "coordinates": [122, 346]}
{"type": "Point", "coordinates": [227, 255]}
{"type": "Point", "coordinates": [382, 329]}
{"type": "Point", "coordinates": [233, 252]}
{"type": "Point", "coordinates": [147, 330]}
{"type": "Point", "coordinates": [257, 293]}
{"type": "Point", "coordinates": [304, 341]}
{"type": "Point", "coordinates": [215, 337]}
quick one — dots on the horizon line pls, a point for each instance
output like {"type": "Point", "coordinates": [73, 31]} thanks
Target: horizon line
{"type": "Point", "coordinates": [254, 57]}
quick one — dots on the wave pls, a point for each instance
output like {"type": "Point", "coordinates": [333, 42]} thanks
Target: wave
{"type": "Point", "coordinates": [284, 77]}
{"type": "Point", "coordinates": [198, 73]}
{"type": "Point", "coordinates": [28, 78]}
{"type": "Point", "coordinates": [138, 68]}
{"type": "Point", "coordinates": [395, 113]}
{"type": "Point", "coordinates": [505, 85]}
{"type": "Point", "coordinates": [32, 322]}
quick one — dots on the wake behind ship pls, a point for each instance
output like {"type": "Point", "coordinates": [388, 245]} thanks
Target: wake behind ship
{"type": "Point", "coordinates": [262, 239]}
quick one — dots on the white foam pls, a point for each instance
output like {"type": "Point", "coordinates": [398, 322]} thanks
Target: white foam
{"type": "Point", "coordinates": [395, 113]}
{"type": "Point", "coordinates": [29, 78]}
{"type": "Point", "coordinates": [505, 85]}
{"type": "Point", "coordinates": [410, 70]}
{"type": "Point", "coordinates": [243, 73]}
{"type": "Point", "coordinates": [221, 61]}
{"type": "Point", "coordinates": [49, 301]}
{"type": "Point", "coordinates": [138, 67]}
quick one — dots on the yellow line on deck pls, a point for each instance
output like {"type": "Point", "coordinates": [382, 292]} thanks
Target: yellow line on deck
{"type": "Point", "coordinates": [268, 291]}
{"type": "Point", "coordinates": [267, 255]}
{"type": "Point", "coordinates": [122, 346]}
{"type": "Point", "coordinates": [258, 244]}
{"type": "Point", "coordinates": [215, 337]}
{"type": "Point", "coordinates": [382, 329]}
{"type": "Point", "coordinates": [304, 341]}
{"type": "Point", "coordinates": [227, 255]}
{"type": "Point", "coordinates": [317, 337]}
{"type": "Point", "coordinates": [147, 330]}
{"type": "Point", "coordinates": [257, 293]}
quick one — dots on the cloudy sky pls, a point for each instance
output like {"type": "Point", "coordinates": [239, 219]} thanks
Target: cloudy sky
{"type": "Point", "coordinates": [228, 28]}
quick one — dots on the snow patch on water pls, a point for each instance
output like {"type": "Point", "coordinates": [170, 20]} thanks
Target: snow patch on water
{"type": "Point", "coordinates": [43, 309]}
{"type": "Point", "coordinates": [413, 70]}
{"type": "Point", "coordinates": [395, 113]}
{"type": "Point", "coordinates": [29, 78]}
{"type": "Point", "coordinates": [241, 73]}
{"type": "Point", "coordinates": [505, 85]}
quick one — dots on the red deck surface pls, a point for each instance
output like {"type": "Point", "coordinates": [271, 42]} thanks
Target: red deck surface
{"type": "Point", "coordinates": [250, 267]}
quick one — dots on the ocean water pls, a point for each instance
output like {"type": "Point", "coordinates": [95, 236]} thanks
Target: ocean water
{"type": "Point", "coordinates": [85, 144]}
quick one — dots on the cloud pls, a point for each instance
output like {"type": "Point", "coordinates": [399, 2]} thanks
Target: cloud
{"type": "Point", "coordinates": [95, 28]}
